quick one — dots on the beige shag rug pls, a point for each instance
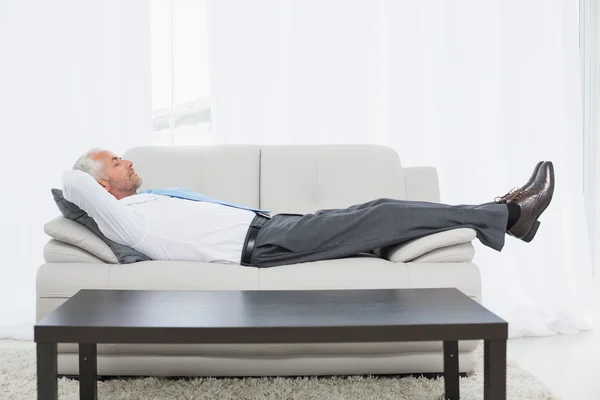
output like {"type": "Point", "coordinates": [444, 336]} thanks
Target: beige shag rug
{"type": "Point", "coordinates": [18, 382]}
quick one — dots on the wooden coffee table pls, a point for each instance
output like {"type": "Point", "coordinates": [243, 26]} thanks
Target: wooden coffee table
{"type": "Point", "coordinates": [313, 316]}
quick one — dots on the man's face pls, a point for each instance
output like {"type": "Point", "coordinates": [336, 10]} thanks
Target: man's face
{"type": "Point", "coordinates": [118, 176]}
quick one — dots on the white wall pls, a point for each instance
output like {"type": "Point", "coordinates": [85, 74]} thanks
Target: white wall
{"type": "Point", "coordinates": [73, 74]}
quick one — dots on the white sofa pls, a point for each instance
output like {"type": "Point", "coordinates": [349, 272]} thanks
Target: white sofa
{"type": "Point", "coordinates": [298, 179]}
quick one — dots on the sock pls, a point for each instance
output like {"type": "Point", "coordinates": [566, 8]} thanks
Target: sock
{"type": "Point", "coordinates": [514, 212]}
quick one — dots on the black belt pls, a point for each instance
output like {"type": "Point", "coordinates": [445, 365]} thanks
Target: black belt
{"type": "Point", "coordinates": [249, 243]}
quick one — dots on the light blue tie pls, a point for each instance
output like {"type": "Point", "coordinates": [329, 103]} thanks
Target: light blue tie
{"type": "Point", "coordinates": [182, 193]}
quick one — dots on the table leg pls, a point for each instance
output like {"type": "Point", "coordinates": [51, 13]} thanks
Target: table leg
{"type": "Point", "coordinates": [88, 385]}
{"type": "Point", "coordinates": [47, 371]}
{"type": "Point", "coordinates": [494, 374]}
{"type": "Point", "coordinates": [451, 382]}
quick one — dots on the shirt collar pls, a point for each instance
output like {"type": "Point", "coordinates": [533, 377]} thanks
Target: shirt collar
{"type": "Point", "coordinates": [139, 198]}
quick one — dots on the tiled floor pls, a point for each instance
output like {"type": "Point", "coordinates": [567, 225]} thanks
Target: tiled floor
{"type": "Point", "coordinates": [568, 364]}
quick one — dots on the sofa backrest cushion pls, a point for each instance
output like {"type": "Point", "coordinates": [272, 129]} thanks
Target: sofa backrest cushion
{"type": "Point", "coordinates": [224, 172]}
{"type": "Point", "coordinates": [304, 179]}
{"type": "Point", "coordinates": [280, 178]}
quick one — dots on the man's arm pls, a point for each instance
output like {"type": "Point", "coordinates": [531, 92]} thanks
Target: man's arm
{"type": "Point", "coordinates": [116, 222]}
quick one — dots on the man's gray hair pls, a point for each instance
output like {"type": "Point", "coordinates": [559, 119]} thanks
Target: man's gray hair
{"type": "Point", "coordinates": [87, 165]}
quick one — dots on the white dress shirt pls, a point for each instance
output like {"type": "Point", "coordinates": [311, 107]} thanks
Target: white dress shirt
{"type": "Point", "coordinates": [162, 227]}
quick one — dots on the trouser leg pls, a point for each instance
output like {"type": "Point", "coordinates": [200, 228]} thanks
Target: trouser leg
{"type": "Point", "coordinates": [337, 233]}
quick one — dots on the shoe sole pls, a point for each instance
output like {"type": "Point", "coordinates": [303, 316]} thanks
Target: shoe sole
{"type": "Point", "coordinates": [531, 234]}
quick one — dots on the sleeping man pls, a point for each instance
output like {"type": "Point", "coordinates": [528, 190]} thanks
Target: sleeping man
{"type": "Point", "coordinates": [178, 224]}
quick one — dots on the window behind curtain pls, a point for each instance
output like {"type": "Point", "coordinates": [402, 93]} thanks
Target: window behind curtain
{"type": "Point", "coordinates": [180, 80]}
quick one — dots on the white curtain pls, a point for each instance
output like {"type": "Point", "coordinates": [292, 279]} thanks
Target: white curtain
{"type": "Point", "coordinates": [480, 89]}
{"type": "Point", "coordinates": [73, 74]}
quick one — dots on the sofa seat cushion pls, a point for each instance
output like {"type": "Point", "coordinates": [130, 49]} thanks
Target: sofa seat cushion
{"type": "Point", "coordinates": [120, 365]}
{"type": "Point", "coordinates": [182, 275]}
{"type": "Point", "coordinates": [270, 350]}
{"type": "Point", "coordinates": [415, 248]}
{"type": "Point", "coordinates": [360, 272]}
{"type": "Point", "coordinates": [369, 272]}
{"type": "Point", "coordinates": [57, 282]}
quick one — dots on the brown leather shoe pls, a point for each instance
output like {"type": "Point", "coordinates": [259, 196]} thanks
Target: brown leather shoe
{"type": "Point", "coordinates": [508, 196]}
{"type": "Point", "coordinates": [533, 202]}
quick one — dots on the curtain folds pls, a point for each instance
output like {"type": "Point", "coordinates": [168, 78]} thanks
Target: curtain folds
{"type": "Point", "coordinates": [74, 74]}
{"type": "Point", "coordinates": [481, 90]}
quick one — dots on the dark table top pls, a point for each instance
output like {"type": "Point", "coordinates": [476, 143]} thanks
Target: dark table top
{"type": "Point", "coordinates": [132, 316]}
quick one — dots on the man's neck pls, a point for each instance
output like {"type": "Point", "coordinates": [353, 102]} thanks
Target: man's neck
{"type": "Point", "coordinates": [122, 195]}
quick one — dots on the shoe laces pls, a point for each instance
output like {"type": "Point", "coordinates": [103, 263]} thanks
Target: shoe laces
{"type": "Point", "coordinates": [507, 196]}
{"type": "Point", "coordinates": [519, 195]}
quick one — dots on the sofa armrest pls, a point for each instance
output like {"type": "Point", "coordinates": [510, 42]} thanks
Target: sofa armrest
{"type": "Point", "coordinates": [438, 247]}
{"type": "Point", "coordinates": [421, 184]}
{"type": "Point", "coordinates": [457, 253]}
{"type": "Point", "coordinates": [56, 251]}
{"type": "Point", "coordinates": [75, 234]}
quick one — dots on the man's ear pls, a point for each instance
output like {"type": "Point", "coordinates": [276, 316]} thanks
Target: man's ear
{"type": "Point", "coordinates": [104, 184]}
